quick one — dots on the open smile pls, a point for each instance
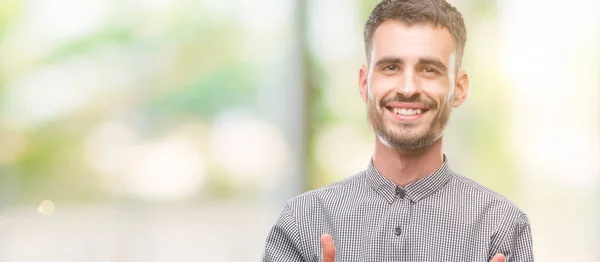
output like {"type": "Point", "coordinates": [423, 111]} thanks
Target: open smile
{"type": "Point", "coordinates": [406, 112]}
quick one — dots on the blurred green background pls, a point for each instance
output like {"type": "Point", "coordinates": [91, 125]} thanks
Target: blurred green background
{"type": "Point", "coordinates": [168, 130]}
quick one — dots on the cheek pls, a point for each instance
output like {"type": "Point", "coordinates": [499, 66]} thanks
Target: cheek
{"type": "Point", "coordinates": [440, 92]}
{"type": "Point", "coordinates": [380, 87]}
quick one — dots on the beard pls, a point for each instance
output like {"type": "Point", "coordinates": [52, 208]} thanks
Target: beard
{"type": "Point", "coordinates": [408, 137]}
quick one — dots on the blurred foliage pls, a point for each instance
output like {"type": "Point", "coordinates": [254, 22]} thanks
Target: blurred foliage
{"type": "Point", "coordinates": [203, 79]}
{"type": "Point", "coordinates": [205, 72]}
{"type": "Point", "coordinates": [9, 13]}
{"type": "Point", "coordinates": [84, 45]}
{"type": "Point", "coordinates": [52, 166]}
{"type": "Point", "coordinates": [209, 94]}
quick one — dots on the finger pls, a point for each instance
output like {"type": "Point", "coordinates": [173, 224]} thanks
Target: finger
{"type": "Point", "coordinates": [328, 248]}
{"type": "Point", "coordinates": [498, 258]}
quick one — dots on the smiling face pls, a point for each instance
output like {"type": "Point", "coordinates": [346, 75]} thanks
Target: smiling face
{"type": "Point", "coordinates": [411, 84]}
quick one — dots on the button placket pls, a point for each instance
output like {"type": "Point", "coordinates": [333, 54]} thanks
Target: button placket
{"type": "Point", "coordinates": [400, 192]}
{"type": "Point", "coordinates": [403, 210]}
{"type": "Point", "coordinates": [398, 231]}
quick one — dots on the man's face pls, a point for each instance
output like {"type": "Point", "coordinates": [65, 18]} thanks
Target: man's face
{"type": "Point", "coordinates": [411, 84]}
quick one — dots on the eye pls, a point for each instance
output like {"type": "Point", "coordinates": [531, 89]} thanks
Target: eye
{"type": "Point", "coordinates": [390, 68]}
{"type": "Point", "coordinates": [430, 71]}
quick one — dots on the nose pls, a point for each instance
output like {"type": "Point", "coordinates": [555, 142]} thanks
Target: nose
{"type": "Point", "coordinates": [408, 84]}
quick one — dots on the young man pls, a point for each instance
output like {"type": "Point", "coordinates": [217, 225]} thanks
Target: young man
{"type": "Point", "coordinates": [408, 205]}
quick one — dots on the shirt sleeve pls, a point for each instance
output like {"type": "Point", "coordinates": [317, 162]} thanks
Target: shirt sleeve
{"type": "Point", "coordinates": [516, 243]}
{"type": "Point", "coordinates": [282, 244]}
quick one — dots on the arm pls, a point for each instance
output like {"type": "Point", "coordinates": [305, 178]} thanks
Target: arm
{"type": "Point", "coordinates": [282, 244]}
{"type": "Point", "coordinates": [515, 241]}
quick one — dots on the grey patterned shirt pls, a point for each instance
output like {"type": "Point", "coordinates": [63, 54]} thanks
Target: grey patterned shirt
{"type": "Point", "coordinates": [442, 217]}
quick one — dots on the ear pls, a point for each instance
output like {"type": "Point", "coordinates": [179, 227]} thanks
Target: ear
{"type": "Point", "coordinates": [462, 88]}
{"type": "Point", "coordinates": [362, 82]}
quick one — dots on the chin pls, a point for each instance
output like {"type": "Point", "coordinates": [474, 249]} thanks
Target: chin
{"type": "Point", "coordinates": [406, 133]}
{"type": "Point", "coordinates": [409, 140]}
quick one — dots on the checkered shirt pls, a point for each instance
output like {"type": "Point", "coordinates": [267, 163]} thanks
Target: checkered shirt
{"type": "Point", "coordinates": [442, 217]}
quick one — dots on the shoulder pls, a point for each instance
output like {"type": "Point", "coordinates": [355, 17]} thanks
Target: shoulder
{"type": "Point", "coordinates": [330, 194]}
{"type": "Point", "coordinates": [485, 198]}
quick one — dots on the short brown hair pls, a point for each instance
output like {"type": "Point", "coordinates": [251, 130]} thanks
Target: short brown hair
{"type": "Point", "coordinates": [436, 12]}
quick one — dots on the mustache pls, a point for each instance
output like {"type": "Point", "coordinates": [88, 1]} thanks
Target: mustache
{"type": "Point", "coordinates": [416, 99]}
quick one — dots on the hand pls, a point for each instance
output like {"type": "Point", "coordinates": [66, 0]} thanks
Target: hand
{"type": "Point", "coordinates": [328, 248]}
{"type": "Point", "coordinates": [498, 258]}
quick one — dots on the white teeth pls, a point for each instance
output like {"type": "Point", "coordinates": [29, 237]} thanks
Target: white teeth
{"type": "Point", "coordinates": [407, 112]}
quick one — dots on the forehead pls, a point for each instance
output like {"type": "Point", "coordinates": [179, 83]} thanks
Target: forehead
{"type": "Point", "coordinates": [397, 39]}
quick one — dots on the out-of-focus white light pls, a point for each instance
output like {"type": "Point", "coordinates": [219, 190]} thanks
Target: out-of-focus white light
{"type": "Point", "coordinates": [63, 19]}
{"type": "Point", "coordinates": [108, 145]}
{"type": "Point", "coordinates": [254, 16]}
{"type": "Point", "coordinates": [46, 208]}
{"type": "Point", "coordinates": [218, 10]}
{"type": "Point", "coordinates": [333, 30]}
{"type": "Point", "coordinates": [248, 148]}
{"type": "Point", "coordinates": [548, 63]}
{"type": "Point", "coordinates": [164, 5]}
{"type": "Point", "coordinates": [48, 93]}
{"type": "Point", "coordinates": [166, 169]}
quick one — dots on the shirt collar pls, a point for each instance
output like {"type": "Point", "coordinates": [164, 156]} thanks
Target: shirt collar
{"type": "Point", "coordinates": [414, 191]}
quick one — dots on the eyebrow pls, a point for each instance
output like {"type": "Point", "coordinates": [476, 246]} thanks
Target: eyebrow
{"type": "Point", "coordinates": [389, 60]}
{"type": "Point", "coordinates": [433, 61]}
{"type": "Point", "coordinates": [422, 61]}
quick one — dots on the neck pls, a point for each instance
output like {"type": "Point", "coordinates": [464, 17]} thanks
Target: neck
{"type": "Point", "coordinates": [404, 168]}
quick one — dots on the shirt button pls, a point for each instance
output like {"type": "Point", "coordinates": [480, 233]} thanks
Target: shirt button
{"type": "Point", "coordinates": [400, 192]}
{"type": "Point", "coordinates": [398, 231]}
